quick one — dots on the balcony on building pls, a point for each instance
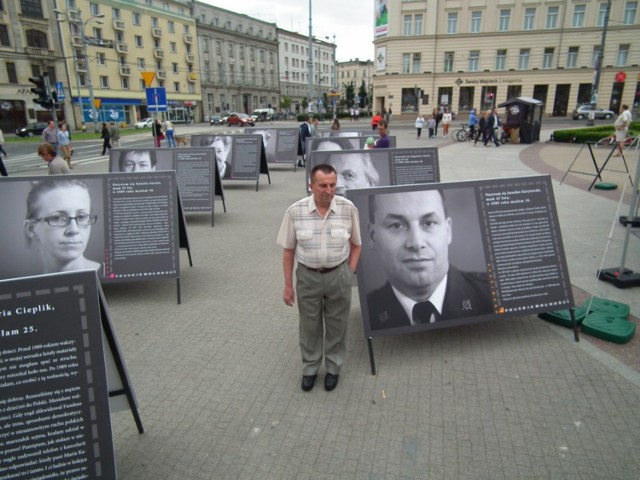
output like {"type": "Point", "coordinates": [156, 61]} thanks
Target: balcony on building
{"type": "Point", "coordinates": [188, 39]}
{"type": "Point", "coordinates": [76, 40]}
{"type": "Point", "coordinates": [161, 74]}
{"type": "Point", "coordinates": [36, 51]}
{"type": "Point", "coordinates": [158, 53]}
{"type": "Point", "coordinates": [81, 65]}
{"type": "Point", "coordinates": [125, 70]}
{"type": "Point", "coordinates": [122, 47]}
{"type": "Point", "coordinates": [193, 76]}
{"type": "Point", "coordinates": [156, 32]}
{"type": "Point", "coordinates": [118, 25]}
{"type": "Point", "coordinates": [191, 58]}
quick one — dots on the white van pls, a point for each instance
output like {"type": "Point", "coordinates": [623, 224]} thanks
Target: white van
{"type": "Point", "coordinates": [263, 114]}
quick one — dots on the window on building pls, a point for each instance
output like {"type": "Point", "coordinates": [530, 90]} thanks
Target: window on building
{"type": "Point", "coordinates": [417, 24]}
{"type": "Point", "coordinates": [474, 60]}
{"type": "Point", "coordinates": [452, 22]}
{"type": "Point", "coordinates": [406, 62]}
{"type": "Point", "coordinates": [602, 13]}
{"type": "Point", "coordinates": [415, 65]}
{"type": "Point", "coordinates": [406, 28]}
{"type": "Point", "coordinates": [101, 59]}
{"type": "Point", "coordinates": [37, 39]}
{"type": "Point", "coordinates": [572, 57]}
{"type": "Point", "coordinates": [12, 76]}
{"type": "Point", "coordinates": [135, 18]}
{"type": "Point", "coordinates": [141, 63]}
{"type": "Point", "coordinates": [154, 22]}
{"type": "Point", "coordinates": [476, 22]}
{"type": "Point", "coordinates": [171, 27]}
{"type": "Point", "coordinates": [448, 61]}
{"type": "Point", "coordinates": [116, 13]}
{"type": "Point", "coordinates": [523, 59]}
{"type": "Point", "coordinates": [578, 16]}
{"type": "Point", "coordinates": [529, 18]}
{"type": "Point", "coordinates": [595, 55]}
{"type": "Point", "coordinates": [501, 60]}
{"type": "Point", "coordinates": [4, 36]}
{"type": "Point", "coordinates": [504, 20]}
{"type": "Point", "coordinates": [552, 17]}
{"type": "Point", "coordinates": [94, 9]}
{"type": "Point", "coordinates": [31, 8]}
{"type": "Point", "coordinates": [623, 55]}
{"type": "Point", "coordinates": [124, 83]}
{"type": "Point", "coordinates": [547, 58]}
{"type": "Point", "coordinates": [138, 41]}
{"type": "Point", "coordinates": [174, 67]}
{"type": "Point", "coordinates": [176, 86]}
{"type": "Point", "coordinates": [630, 9]}
{"type": "Point", "coordinates": [104, 81]}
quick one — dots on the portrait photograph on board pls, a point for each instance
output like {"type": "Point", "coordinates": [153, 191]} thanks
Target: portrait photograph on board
{"type": "Point", "coordinates": [280, 144]}
{"type": "Point", "coordinates": [423, 258]}
{"type": "Point", "coordinates": [55, 224]}
{"type": "Point", "coordinates": [222, 145]}
{"type": "Point", "coordinates": [449, 254]}
{"type": "Point", "coordinates": [141, 160]}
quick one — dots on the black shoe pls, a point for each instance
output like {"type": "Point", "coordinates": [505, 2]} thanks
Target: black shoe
{"type": "Point", "coordinates": [308, 381]}
{"type": "Point", "coordinates": [330, 381]}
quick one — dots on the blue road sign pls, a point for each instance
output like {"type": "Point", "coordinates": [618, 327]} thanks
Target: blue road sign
{"type": "Point", "coordinates": [156, 99]}
{"type": "Point", "coordinates": [60, 91]}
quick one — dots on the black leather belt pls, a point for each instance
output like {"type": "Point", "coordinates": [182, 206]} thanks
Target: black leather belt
{"type": "Point", "coordinates": [323, 269]}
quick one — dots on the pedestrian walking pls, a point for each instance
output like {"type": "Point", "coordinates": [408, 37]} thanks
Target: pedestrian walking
{"type": "Point", "coordinates": [473, 121]}
{"type": "Point", "coordinates": [431, 126]}
{"type": "Point", "coordinates": [50, 135]}
{"type": "Point", "coordinates": [106, 139]}
{"type": "Point", "coordinates": [64, 144]}
{"type": "Point", "coordinates": [156, 131]}
{"type": "Point", "coordinates": [168, 130]}
{"type": "Point", "coordinates": [419, 126]}
{"type": "Point", "coordinates": [446, 122]}
{"type": "Point", "coordinates": [114, 131]}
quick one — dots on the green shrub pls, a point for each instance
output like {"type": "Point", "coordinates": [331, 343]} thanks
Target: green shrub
{"type": "Point", "coordinates": [590, 134]}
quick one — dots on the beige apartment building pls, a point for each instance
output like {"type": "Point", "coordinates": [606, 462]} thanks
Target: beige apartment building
{"type": "Point", "coordinates": [238, 61]}
{"type": "Point", "coordinates": [474, 53]}
{"type": "Point", "coordinates": [95, 53]}
{"type": "Point", "coordinates": [355, 72]}
{"type": "Point", "coordinates": [109, 45]}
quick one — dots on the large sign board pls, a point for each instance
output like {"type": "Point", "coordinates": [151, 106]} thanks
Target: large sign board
{"type": "Point", "coordinates": [238, 157]}
{"type": "Point", "coordinates": [280, 144]}
{"type": "Point", "coordinates": [194, 169]}
{"type": "Point", "coordinates": [54, 405]}
{"type": "Point", "coordinates": [355, 142]}
{"type": "Point", "coordinates": [477, 250]}
{"type": "Point", "coordinates": [122, 225]}
{"type": "Point", "coordinates": [378, 167]}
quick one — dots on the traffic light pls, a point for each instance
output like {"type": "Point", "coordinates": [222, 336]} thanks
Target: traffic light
{"type": "Point", "coordinates": [42, 91]}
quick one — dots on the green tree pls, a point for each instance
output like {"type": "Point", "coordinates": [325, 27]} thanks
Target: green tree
{"type": "Point", "coordinates": [305, 103]}
{"type": "Point", "coordinates": [362, 93]}
{"type": "Point", "coordinates": [350, 93]}
{"type": "Point", "coordinates": [285, 102]}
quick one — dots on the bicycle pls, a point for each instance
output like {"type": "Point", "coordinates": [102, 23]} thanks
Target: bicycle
{"type": "Point", "coordinates": [610, 141]}
{"type": "Point", "coordinates": [462, 134]}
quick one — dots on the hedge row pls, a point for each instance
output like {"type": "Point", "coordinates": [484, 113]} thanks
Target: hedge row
{"type": "Point", "coordinates": [590, 134]}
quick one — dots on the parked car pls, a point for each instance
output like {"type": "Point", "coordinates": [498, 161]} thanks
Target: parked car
{"type": "Point", "coordinates": [215, 120]}
{"type": "Point", "coordinates": [144, 123]}
{"type": "Point", "coordinates": [583, 111]}
{"type": "Point", "coordinates": [31, 129]}
{"type": "Point", "coordinates": [240, 119]}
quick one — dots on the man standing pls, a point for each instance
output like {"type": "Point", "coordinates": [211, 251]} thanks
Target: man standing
{"type": "Point", "coordinates": [322, 233]}
{"type": "Point", "coordinates": [383, 140]}
{"type": "Point", "coordinates": [50, 135]}
{"type": "Point", "coordinates": [412, 233]}
{"type": "Point", "coordinates": [622, 127]}
{"type": "Point", "coordinates": [314, 126]}
{"type": "Point", "coordinates": [57, 166]}
{"type": "Point", "coordinates": [305, 132]}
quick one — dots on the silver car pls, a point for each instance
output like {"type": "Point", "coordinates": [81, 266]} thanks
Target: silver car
{"type": "Point", "coordinates": [583, 111]}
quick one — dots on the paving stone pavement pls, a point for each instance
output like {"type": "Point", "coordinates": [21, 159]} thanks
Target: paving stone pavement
{"type": "Point", "coordinates": [217, 377]}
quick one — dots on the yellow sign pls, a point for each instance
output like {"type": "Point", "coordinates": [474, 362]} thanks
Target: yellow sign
{"type": "Point", "coordinates": [96, 102]}
{"type": "Point", "coordinates": [148, 78]}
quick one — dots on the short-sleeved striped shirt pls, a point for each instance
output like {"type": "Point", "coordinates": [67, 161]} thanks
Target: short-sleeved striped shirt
{"type": "Point", "coordinates": [320, 242]}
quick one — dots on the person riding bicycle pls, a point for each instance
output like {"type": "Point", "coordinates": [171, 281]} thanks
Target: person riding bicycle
{"type": "Point", "coordinates": [473, 121]}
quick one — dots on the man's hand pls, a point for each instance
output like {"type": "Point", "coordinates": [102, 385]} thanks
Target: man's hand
{"type": "Point", "coordinates": [289, 296]}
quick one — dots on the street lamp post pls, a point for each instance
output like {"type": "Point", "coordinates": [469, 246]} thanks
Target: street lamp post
{"type": "Point", "coordinates": [80, 25]}
{"type": "Point", "coordinates": [310, 61]}
{"type": "Point", "coordinates": [598, 66]}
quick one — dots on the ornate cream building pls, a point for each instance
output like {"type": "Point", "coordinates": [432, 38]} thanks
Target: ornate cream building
{"type": "Point", "coordinates": [473, 53]}
{"type": "Point", "coordinates": [355, 71]}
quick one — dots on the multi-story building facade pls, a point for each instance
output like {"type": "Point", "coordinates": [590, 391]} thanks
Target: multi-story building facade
{"type": "Point", "coordinates": [356, 72]}
{"type": "Point", "coordinates": [109, 46]}
{"type": "Point", "coordinates": [465, 54]}
{"type": "Point", "coordinates": [293, 54]}
{"type": "Point", "coordinates": [28, 48]}
{"type": "Point", "coordinates": [96, 52]}
{"type": "Point", "coordinates": [238, 61]}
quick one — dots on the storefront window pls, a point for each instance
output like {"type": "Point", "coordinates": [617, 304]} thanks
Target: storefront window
{"type": "Point", "coordinates": [409, 100]}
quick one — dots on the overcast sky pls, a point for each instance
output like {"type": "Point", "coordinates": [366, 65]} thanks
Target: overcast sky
{"type": "Point", "coordinates": [351, 21]}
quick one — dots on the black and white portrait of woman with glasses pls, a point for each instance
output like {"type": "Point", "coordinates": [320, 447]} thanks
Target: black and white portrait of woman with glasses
{"type": "Point", "coordinates": [58, 223]}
